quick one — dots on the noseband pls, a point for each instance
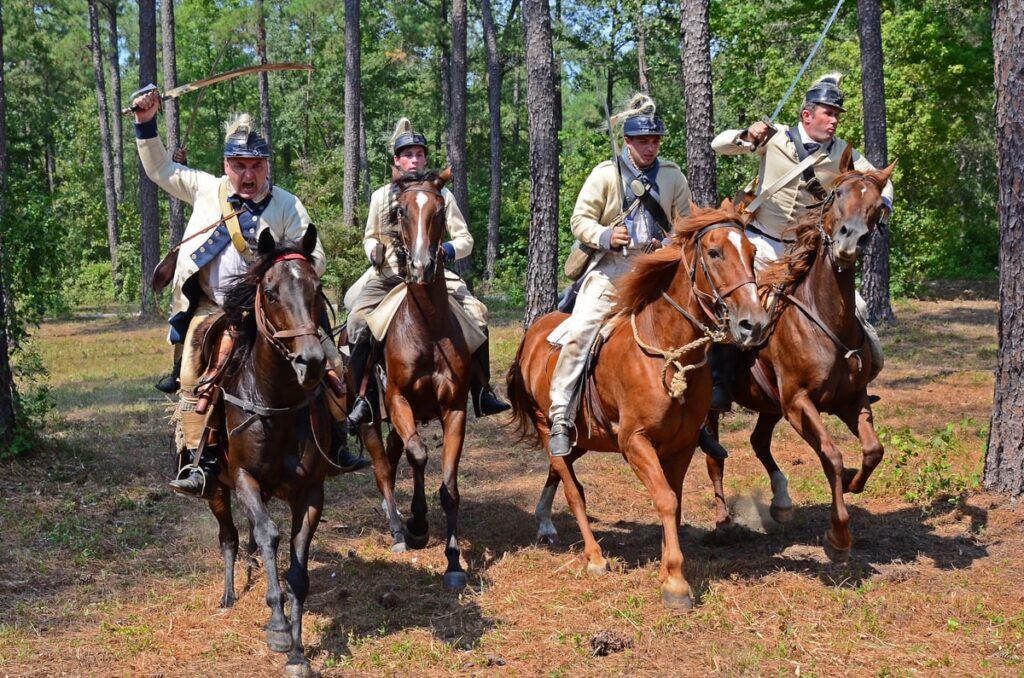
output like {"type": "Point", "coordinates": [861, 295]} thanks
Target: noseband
{"type": "Point", "coordinates": [267, 329]}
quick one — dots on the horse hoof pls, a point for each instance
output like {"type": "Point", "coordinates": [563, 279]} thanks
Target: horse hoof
{"type": "Point", "coordinates": [598, 569]}
{"type": "Point", "coordinates": [677, 601]}
{"type": "Point", "coordinates": [781, 514]}
{"type": "Point", "coordinates": [227, 601]}
{"type": "Point", "coordinates": [279, 641]}
{"type": "Point", "coordinates": [834, 553]}
{"type": "Point", "coordinates": [298, 669]}
{"type": "Point", "coordinates": [547, 539]}
{"type": "Point", "coordinates": [455, 581]}
{"type": "Point", "coordinates": [416, 541]}
{"type": "Point", "coordinates": [398, 547]}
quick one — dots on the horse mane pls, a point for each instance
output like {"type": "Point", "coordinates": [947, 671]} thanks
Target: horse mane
{"type": "Point", "coordinates": [652, 273]}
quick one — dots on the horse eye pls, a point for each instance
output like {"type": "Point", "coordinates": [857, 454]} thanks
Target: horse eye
{"type": "Point", "coordinates": [271, 296]}
{"type": "Point", "coordinates": [715, 253]}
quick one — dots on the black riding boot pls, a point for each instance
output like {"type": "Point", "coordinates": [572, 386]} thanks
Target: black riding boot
{"type": "Point", "coordinates": [170, 383]}
{"type": "Point", "coordinates": [359, 356]}
{"type": "Point", "coordinates": [723, 372]}
{"type": "Point", "coordinates": [485, 401]}
{"type": "Point", "coordinates": [344, 461]}
{"type": "Point", "coordinates": [200, 481]}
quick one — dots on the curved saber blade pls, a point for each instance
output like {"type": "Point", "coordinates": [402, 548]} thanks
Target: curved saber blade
{"type": "Point", "coordinates": [206, 82]}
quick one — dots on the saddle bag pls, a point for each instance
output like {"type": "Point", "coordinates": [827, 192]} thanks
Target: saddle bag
{"type": "Point", "coordinates": [578, 260]}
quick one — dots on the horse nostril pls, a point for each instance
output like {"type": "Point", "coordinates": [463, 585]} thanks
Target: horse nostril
{"type": "Point", "coordinates": [843, 230]}
{"type": "Point", "coordinates": [746, 324]}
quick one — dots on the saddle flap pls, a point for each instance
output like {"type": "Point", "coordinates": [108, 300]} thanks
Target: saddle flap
{"type": "Point", "coordinates": [379, 320]}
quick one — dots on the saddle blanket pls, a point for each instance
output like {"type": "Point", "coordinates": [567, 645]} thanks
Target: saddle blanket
{"type": "Point", "coordinates": [380, 318]}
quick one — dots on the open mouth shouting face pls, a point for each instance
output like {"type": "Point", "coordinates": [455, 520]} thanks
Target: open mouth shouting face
{"type": "Point", "coordinates": [248, 176]}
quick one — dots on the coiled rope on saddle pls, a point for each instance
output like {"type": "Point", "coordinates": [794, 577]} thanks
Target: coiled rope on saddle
{"type": "Point", "coordinates": [676, 388]}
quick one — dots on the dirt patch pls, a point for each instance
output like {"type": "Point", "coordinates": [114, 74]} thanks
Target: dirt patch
{"type": "Point", "coordinates": [107, 573]}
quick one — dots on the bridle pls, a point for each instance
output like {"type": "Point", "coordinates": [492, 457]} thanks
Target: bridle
{"type": "Point", "coordinates": [401, 250]}
{"type": "Point", "coordinates": [267, 329]}
{"type": "Point", "coordinates": [826, 204]}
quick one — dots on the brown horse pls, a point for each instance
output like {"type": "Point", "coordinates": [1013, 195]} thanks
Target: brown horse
{"type": "Point", "coordinates": [816, 358]}
{"type": "Point", "coordinates": [653, 400]}
{"type": "Point", "coordinates": [276, 426]}
{"type": "Point", "coordinates": [427, 362]}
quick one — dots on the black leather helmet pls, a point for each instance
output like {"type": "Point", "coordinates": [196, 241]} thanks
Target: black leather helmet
{"type": "Point", "coordinates": [643, 125]}
{"type": "Point", "coordinates": [826, 91]}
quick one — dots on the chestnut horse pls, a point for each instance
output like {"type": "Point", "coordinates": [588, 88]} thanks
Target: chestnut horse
{"type": "Point", "coordinates": [427, 363]}
{"type": "Point", "coordinates": [276, 426]}
{"type": "Point", "coordinates": [817, 357]}
{"type": "Point", "coordinates": [654, 397]}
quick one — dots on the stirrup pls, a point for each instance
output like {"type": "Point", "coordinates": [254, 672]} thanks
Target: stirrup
{"type": "Point", "coordinates": [178, 478]}
{"type": "Point", "coordinates": [366, 402]}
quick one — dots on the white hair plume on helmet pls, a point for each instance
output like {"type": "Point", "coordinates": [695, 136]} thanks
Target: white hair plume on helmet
{"type": "Point", "coordinates": [835, 78]}
{"type": "Point", "coordinates": [639, 104]}
{"type": "Point", "coordinates": [238, 122]}
{"type": "Point", "coordinates": [403, 127]}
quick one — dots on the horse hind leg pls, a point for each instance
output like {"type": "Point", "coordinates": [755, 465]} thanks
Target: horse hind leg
{"type": "Point", "coordinates": [781, 508]}
{"type": "Point", "coordinates": [220, 505]}
{"type": "Point", "coordinates": [385, 467]}
{"type": "Point", "coordinates": [251, 562]}
{"type": "Point", "coordinates": [716, 473]}
{"type": "Point", "coordinates": [546, 532]}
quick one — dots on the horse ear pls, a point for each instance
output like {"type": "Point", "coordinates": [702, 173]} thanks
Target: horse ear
{"type": "Point", "coordinates": [266, 242]}
{"type": "Point", "coordinates": [727, 205]}
{"type": "Point", "coordinates": [309, 240]}
{"type": "Point", "coordinates": [846, 160]}
{"type": "Point", "coordinates": [883, 175]}
{"type": "Point", "coordinates": [444, 177]}
{"type": "Point", "coordinates": [395, 174]}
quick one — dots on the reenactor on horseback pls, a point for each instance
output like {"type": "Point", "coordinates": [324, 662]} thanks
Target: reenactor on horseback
{"type": "Point", "coordinates": [245, 202]}
{"type": "Point", "coordinates": [409, 151]}
{"type": "Point", "coordinates": [626, 207]}
{"type": "Point", "coordinates": [797, 164]}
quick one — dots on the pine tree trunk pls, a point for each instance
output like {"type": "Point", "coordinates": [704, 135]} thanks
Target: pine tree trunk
{"type": "Point", "coordinates": [353, 104]}
{"type": "Point", "coordinates": [696, 54]}
{"type": "Point", "coordinates": [364, 162]}
{"type": "Point", "coordinates": [542, 254]}
{"type": "Point", "coordinates": [443, 133]}
{"type": "Point", "coordinates": [8, 422]}
{"type": "Point", "coordinates": [457, 143]}
{"type": "Point", "coordinates": [875, 272]}
{"type": "Point", "coordinates": [115, 98]}
{"type": "Point", "coordinates": [176, 226]}
{"type": "Point", "coordinates": [1004, 462]}
{"type": "Point", "coordinates": [641, 53]}
{"type": "Point", "coordinates": [263, 79]}
{"type": "Point", "coordinates": [494, 77]}
{"type": "Point", "coordinates": [149, 208]}
{"type": "Point", "coordinates": [101, 103]}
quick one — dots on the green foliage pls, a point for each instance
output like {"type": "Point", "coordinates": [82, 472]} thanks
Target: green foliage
{"type": "Point", "coordinates": [934, 469]}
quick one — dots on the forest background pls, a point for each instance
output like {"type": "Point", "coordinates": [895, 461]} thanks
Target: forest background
{"type": "Point", "coordinates": [60, 253]}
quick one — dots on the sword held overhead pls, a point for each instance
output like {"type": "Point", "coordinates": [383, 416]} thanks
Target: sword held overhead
{"type": "Point", "coordinates": [206, 82]}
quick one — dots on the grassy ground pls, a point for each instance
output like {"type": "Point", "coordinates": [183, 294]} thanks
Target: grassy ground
{"type": "Point", "coordinates": [107, 573]}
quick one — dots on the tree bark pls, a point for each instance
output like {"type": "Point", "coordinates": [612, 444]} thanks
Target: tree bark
{"type": "Point", "coordinates": [176, 225]}
{"type": "Point", "coordinates": [641, 52]}
{"type": "Point", "coordinates": [542, 254]}
{"type": "Point", "coordinates": [494, 77]}
{"type": "Point", "coordinates": [263, 78]}
{"type": "Point", "coordinates": [149, 209]}
{"type": "Point", "coordinates": [105, 154]}
{"type": "Point", "coordinates": [697, 97]}
{"type": "Point", "coordinates": [443, 135]}
{"type": "Point", "coordinates": [115, 100]}
{"type": "Point", "coordinates": [457, 142]}
{"type": "Point", "coordinates": [1004, 462]}
{"type": "Point", "coordinates": [875, 273]}
{"type": "Point", "coordinates": [364, 162]}
{"type": "Point", "coordinates": [353, 105]}
{"type": "Point", "coordinates": [8, 421]}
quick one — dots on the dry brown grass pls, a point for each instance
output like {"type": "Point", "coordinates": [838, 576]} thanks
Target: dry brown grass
{"type": "Point", "coordinates": [107, 573]}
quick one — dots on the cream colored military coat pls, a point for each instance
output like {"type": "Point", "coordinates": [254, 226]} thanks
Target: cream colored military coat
{"type": "Point", "coordinates": [778, 156]}
{"type": "Point", "coordinates": [284, 215]}
{"type": "Point", "coordinates": [378, 229]}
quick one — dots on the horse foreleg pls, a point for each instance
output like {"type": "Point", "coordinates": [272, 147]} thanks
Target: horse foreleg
{"type": "Point", "coordinates": [247, 490]}
{"type": "Point", "coordinates": [805, 419]}
{"type": "Point", "coordinates": [385, 462]}
{"type": "Point", "coordinates": [220, 504]}
{"type": "Point", "coordinates": [716, 473]}
{"type": "Point", "coordinates": [305, 518]}
{"type": "Point", "coordinates": [675, 468]}
{"type": "Point", "coordinates": [861, 423]}
{"type": "Point", "coordinates": [675, 591]}
{"type": "Point", "coordinates": [781, 508]}
{"type": "Point", "coordinates": [417, 528]}
{"type": "Point", "coordinates": [454, 424]}
{"type": "Point", "coordinates": [576, 498]}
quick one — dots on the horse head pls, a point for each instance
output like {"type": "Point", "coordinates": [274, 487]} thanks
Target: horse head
{"type": "Point", "coordinates": [856, 209]}
{"type": "Point", "coordinates": [420, 211]}
{"type": "Point", "coordinates": [722, 273]}
{"type": "Point", "coordinates": [289, 303]}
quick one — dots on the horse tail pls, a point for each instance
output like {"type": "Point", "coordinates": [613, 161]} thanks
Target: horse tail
{"type": "Point", "coordinates": [522, 402]}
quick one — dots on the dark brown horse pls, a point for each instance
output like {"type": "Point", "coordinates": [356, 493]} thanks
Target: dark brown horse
{"type": "Point", "coordinates": [276, 426]}
{"type": "Point", "coordinates": [651, 379]}
{"type": "Point", "coordinates": [817, 357]}
{"type": "Point", "coordinates": [427, 362]}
